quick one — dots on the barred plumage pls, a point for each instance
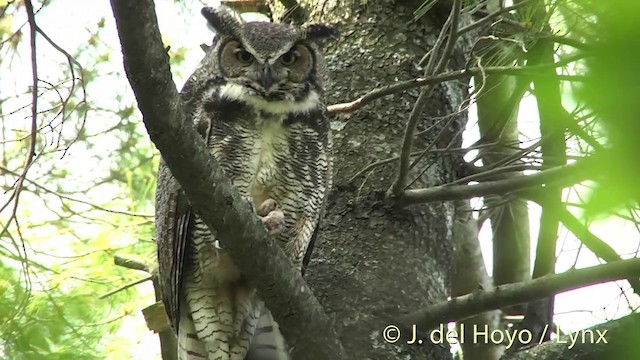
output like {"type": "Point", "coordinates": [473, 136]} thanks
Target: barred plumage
{"type": "Point", "coordinates": [257, 99]}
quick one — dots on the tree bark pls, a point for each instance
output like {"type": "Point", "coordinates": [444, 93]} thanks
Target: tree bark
{"type": "Point", "coordinates": [375, 262]}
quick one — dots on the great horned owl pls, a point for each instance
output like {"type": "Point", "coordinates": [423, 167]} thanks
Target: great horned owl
{"type": "Point", "coordinates": [257, 99]}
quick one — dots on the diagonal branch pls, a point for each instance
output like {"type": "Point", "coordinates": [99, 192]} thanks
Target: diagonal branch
{"type": "Point", "coordinates": [285, 293]}
{"type": "Point", "coordinates": [451, 75]}
{"type": "Point", "coordinates": [560, 176]}
{"type": "Point", "coordinates": [599, 247]}
{"type": "Point", "coordinates": [511, 294]}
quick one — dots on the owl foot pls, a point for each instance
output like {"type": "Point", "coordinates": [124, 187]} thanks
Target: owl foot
{"type": "Point", "coordinates": [274, 222]}
{"type": "Point", "coordinates": [271, 216]}
{"type": "Point", "coordinates": [266, 207]}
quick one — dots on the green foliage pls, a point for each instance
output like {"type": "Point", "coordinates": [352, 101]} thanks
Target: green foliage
{"type": "Point", "coordinates": [87, 197]}
{"type": "Point", "coordinates": [612, 92]}
{"type": "Point", "coordinates": [59, 323]}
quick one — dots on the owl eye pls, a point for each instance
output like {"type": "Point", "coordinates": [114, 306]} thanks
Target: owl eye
{"type": "Point", "coordinates": [244, 56]}
{"type": "Point", "coordinates": [289, 58]}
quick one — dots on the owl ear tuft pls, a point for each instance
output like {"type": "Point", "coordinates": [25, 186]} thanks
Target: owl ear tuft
{"type": "Point", "coordinates": [222, 20]}
{"type": "Point", "coordinates": [318, 32]}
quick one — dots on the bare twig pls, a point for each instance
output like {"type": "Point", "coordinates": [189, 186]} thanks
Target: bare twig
{"type": "Point", "coordinates": [599, 247]}
{"type": "Point", "coordinates": [71, 61]}
{"type": "Point", "coordinates": [453, 37]}
{"type": "Point", "coordinates": [418, 153]}
{"type": "Point", "coordinates": [493, 172]}
{"type": "Point", "coordinates": [80, 201]}
{"type": "Point", "coordinates": [31, 156]}
{"type": "Point", "coordinates": [448, 76]}
{"type": "Point", "coordinates": [294, 13]}
{"type": "Point", "coordinates": [488, 18]}
{"type": "Point", "coordinates": [566, 40]}
{"type": "Point", "coordinates": [407, 142]}
{"type": "Point", "coordinates": [125, 287]}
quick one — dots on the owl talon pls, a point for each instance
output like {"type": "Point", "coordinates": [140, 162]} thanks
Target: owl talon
{"type": "Point", "coordinates": [274, 222]}
{"type": "Point", "coordinates": [267, 207]}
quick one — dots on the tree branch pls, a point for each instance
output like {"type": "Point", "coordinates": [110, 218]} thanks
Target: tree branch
{"type": "Point", "coordinates": [294, 13]}
{"type": "Point", "coordinates": [561, 176]}
{"type": "Point", "coordinates": [211, 195]}
{"type": "Point", "coordinates": [511, 294]}
{"type": "Point", "coordinates": [598, 247]}
{"type": "Point", "coordinates": [131, 263]}
{"type": "Point", "coordinates": [126, 286]}
{"type": "Point", "coordinates": [448, 76]}
{"type": "Point", "coordinates": [489, 17]}
{"type": "Point", "coordinates": [407, 143]}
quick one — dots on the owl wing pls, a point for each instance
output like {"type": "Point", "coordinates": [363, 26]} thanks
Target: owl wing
{"type": "Point", "coordinates": [174, 217]}
{"type": "Point", "coordinates": [174, 223]}
{"type": "Point", "coordinates": [327, 152]}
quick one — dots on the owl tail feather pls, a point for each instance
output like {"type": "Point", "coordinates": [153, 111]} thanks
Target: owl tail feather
{"type": "Point", "coordinates": [267, 342]}
{"type": "Point", "coordinates": [189, 348]}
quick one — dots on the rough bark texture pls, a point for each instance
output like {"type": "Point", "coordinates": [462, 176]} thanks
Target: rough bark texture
{"type": "Point", "coordinates": [373, 261]}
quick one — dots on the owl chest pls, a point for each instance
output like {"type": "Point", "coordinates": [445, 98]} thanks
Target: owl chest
{"type": "Point", "coordinates": [253, 155]}
{"type": "Point", "coordinates": [269, 157]}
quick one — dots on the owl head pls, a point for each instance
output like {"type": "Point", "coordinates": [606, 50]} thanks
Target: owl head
{"type": "Point", "coordinates": [274, 62]}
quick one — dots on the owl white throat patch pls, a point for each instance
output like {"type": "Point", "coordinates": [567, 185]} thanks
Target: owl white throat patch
{"type": "Point", "coordinates": [237, 92]}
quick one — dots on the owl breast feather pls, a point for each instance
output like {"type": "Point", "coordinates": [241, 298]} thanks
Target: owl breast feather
{"type": "Point", "coordinates": [267, 155]}
{"type": "Point", "coordinates": [273, 150]}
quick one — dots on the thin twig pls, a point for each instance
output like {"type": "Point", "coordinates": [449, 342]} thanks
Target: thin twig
{"type": "Point", "coordinates": [71, 61]}
{"type": "Point", "coordinates": [126, 286]}
{"type": "Point", "coordinates": [453, 37]}
{"type": "Point", "coordinates": [491, 173]}
{"type": "Point", "coordinates": [31, 154]}
{"type": "Point", "coordinates": [407, 142]}
{"type": "Point", "coordinates": [448, 76]}
{"type": "Point", "coordinates": [80, 201]}
{"type": "Point", "coordinates": [488, 18]}
{"type": "Point", "coordinates": [599, 247]}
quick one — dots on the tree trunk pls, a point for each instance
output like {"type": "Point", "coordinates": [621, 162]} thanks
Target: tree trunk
{"type": "Point", "coordinates": [374, 261]}
{"type": "Point", "coordinates": [469, 276]}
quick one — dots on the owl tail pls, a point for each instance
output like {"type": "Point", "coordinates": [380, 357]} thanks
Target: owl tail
{"type": "Point", "coordinates": [267, 342]}
{"type": "Point", "coordinates": [189, 348]}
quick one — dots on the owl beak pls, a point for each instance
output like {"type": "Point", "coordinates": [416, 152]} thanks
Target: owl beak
{"type": "Point", "coordinates": [267, 77]}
